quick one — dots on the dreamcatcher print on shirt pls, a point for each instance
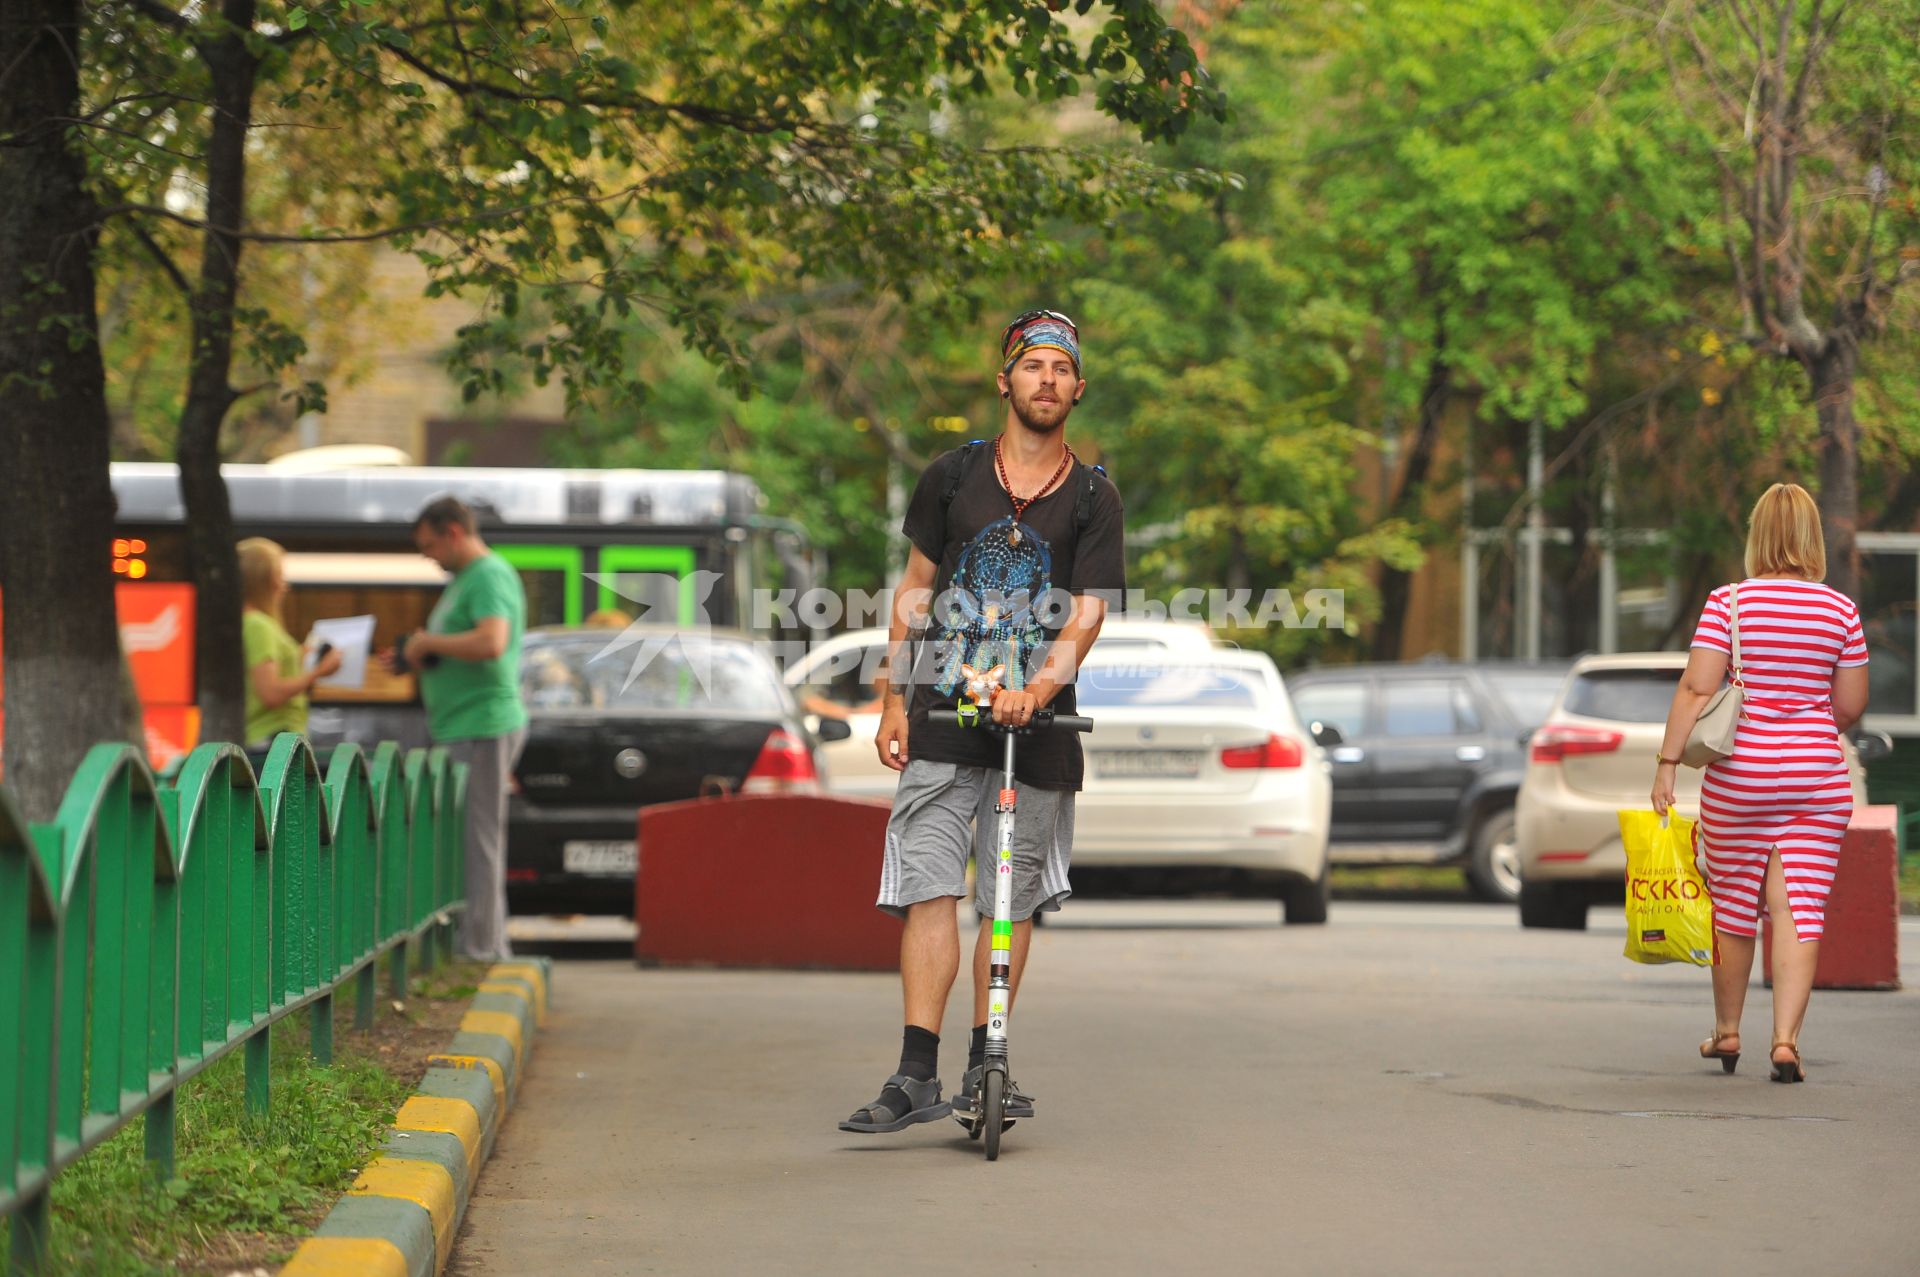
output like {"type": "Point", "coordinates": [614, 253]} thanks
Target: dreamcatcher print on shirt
{"type": "Point", "coordinates": [989, 625]}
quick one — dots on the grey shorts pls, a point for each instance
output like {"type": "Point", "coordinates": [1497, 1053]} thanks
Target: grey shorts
{"type": "Point", "coordinates": [943, 812]}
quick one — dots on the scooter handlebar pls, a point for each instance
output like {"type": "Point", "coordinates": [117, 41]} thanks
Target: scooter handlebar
{"type": "Point", "coordinates": [1065, 722]}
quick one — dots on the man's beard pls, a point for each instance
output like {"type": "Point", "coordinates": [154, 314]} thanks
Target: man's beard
{"type": "Point", "coordinates": [1041, 427]}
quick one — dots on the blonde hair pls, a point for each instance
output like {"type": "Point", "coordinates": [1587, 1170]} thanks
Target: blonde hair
{"type": "Point", "coordinates": [261, 566]}
{"type": "Point", "coordinates": [1783, 534]}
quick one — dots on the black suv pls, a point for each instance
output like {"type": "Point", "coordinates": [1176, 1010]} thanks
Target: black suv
{"type": "Point", "coordinates": [1428, 758]}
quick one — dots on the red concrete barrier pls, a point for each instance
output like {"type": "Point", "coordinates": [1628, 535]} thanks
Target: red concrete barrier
{"type": "Point", "coordinates": [764, 880]}
{"type": "Point", "coordinates": [1861, 946]}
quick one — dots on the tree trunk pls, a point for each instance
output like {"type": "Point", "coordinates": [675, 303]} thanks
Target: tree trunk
{"type": "Point", "coordinates": [1396, 583]}
{"type": "Point", "coordinates": [62, 648]}
{"type": "Point", "coordinates": [1833, 373]}
{"type": "Point", "coordinates": [219, 675]}
{"type": "Point", "coordinates": [1239, 562]}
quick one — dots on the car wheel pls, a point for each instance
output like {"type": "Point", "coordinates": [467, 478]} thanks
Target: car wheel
{"type": "Point", "coordinates": [1552, 905]}
{"type": "Point", "coordinates": [1494, 869]}
{"type": "Point", "coordinates": [1304, 900]}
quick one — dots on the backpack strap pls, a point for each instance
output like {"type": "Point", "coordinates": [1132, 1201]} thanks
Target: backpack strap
{"type": "Point", "coordinates": [962, 465]}
{"type": "Point", "coordinates": [957, 471]}
{"type": "Point", "coordinates": [1083, 504]}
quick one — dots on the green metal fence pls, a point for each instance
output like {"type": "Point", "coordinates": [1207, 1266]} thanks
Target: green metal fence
{"type": "Point", "coordinates": [152, 928]}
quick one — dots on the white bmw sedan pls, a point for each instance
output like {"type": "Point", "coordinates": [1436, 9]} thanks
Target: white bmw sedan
{"type": "Point", "coordinates": [836, 679]}
{"type": "Point", "coordinates": [1200, 776]}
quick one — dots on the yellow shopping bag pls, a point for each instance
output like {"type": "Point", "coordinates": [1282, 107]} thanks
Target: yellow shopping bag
{"type": "Point", "coordinates": [1669, 914]}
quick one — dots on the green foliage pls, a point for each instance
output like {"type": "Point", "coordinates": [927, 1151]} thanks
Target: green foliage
{"type": "Point", "coordinates": [1226, 368]}
{"type": "Point", "coordinates": [232, 1172]}
{"type": "Point", "coordinates": [834, 203]}
{"type": "Point", "coordinates": [847, 387]}
{"type": "Point", "coordinates": [583, 163]}
{"type": "Point", "coordinates": [1504, 184]}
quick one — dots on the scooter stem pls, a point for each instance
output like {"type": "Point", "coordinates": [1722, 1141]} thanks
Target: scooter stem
{"type": "Point", "coordinates": [1000, 959]}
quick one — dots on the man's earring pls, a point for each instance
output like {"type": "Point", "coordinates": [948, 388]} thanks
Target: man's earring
{"type": "Point", "coordinates": [1008, 394]}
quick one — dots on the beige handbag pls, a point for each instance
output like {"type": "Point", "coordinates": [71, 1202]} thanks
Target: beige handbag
{"type": "Point", "coordinates": [1713, 732]}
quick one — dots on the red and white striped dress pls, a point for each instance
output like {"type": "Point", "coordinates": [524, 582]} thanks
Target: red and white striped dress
{"type": "Point", "coordinates": [1785, 785]}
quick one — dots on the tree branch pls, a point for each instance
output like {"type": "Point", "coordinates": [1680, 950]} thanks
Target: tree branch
{"type": "Point", "coordinates": [1751, 28]}
{"type": "Point", "coordinates": [633, 102]}
{"type": "Point", "coordinates": [366, 237]}
{"type": "Point", "coordinates": [80, 122]}
{"type": "Point", "coordinates": [1715, 74]}
{"type": "Point", "coordinates": [91, 120]}
{"type": "Point", "coordinates": [1751, 306]}
{"type": "Point", "coordinates": [289, 38]}
{"type": "Point", "coordinates": [1592, 427]}
{"type": "Point", "coordinates": [165, 259]}
{"type": "Point", "coordinates": [160, 13]}
{"type": "Point", "coordinates": [1758, 226]}
{"type": "Point", "coordinates": [1819, 36]}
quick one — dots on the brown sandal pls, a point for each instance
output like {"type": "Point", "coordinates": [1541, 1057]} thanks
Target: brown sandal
{"type": "Point", "coordinates": [1788, 1070]}
{"type": "Point", "coordinates": [1710, 1050]}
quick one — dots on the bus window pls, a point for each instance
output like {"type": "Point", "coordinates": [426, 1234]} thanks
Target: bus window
{"type": "Point", "coordinates": [550, 575]}
{"type": "Point", "coordinates": [649, 582]}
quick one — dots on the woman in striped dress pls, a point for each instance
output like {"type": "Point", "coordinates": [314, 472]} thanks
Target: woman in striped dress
{"type": "Point", "coordinates": [1773, 812]}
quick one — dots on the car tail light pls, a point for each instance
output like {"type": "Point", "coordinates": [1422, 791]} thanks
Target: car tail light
{"type": "Point", "coordinates": [523, 875]}
{"type": "Point", "coordinates": [1278, 751]}
{"type": "Point", "coordinates": [785, 766]}
{"type": "Point", "coordinates": [1556, 741]}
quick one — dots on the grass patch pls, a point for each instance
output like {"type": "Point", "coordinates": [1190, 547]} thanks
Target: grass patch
{"type": "Point", "coordinates": [1910, 885]}
{"type": "Point", "coordinates": [1385, 882]}
{"type": "Point", "coordinates": [246, 1191]}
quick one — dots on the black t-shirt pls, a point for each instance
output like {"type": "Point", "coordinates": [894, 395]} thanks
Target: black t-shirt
{"type": "Point", "coordinates": [1001, 595]}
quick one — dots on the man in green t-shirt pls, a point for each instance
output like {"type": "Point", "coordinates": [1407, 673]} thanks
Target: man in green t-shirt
{"type": "Point", "coordinates": [468, 659]}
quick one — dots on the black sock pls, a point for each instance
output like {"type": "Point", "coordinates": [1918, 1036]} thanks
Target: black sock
{"type": "Point", "coordinates": [977, 1047]}
{"type": "Point", "coordinates": [920, 1053]}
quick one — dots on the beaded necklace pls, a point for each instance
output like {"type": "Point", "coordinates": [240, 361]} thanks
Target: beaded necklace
{"type": "Point", "coordinates": [1020, 505]}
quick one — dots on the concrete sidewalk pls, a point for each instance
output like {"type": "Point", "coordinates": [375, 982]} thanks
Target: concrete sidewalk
{"type": "Point", "coordinates": [1411, 1089]}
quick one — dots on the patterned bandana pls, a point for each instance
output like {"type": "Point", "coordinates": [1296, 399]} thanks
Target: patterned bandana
{"type": "Point", "coordinates": [1044, 332]}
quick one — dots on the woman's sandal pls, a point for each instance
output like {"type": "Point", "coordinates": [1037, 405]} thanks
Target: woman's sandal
{"type": "Point", "coordinates": [1788, 1070]}
{"type": "Point", "coordinates": [923, 1104]}
{"type": "Point", "coordinates": [1710, 1050]}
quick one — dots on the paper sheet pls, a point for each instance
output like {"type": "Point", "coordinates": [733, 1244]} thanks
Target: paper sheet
{"type": "Point", "coordinates": [352, 637]}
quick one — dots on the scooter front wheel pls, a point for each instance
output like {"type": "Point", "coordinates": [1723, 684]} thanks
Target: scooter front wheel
{"type": "Point", "coordinates": [993, 1106]}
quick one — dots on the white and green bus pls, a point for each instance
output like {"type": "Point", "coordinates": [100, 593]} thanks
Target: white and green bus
{"type": "Point", "coordinates": [642, 542]}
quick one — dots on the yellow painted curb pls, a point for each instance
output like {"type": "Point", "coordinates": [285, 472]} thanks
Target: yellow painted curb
{"type": "Point", "coordinates": [535, 975]}
{"type": "Point", "coordinates": [500, 1024]}
{"type": "Point", "coordinates": [494, 1073]}
{"type": "Point", "coordinates": [346, 1257]}
{"type": "Point", "coordinates": [425, 1183]}
{"type": "Point", "coordinates": [454, 1117]}
{"type": "Point", "coordinates": [513, 989]}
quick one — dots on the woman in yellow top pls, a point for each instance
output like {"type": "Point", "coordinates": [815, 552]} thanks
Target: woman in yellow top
{"type": "Point", "coordinates": [277, 687]}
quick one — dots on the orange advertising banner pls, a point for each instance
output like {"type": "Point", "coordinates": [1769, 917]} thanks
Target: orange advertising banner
{"type": "Point", "coordinates": [156, 632]}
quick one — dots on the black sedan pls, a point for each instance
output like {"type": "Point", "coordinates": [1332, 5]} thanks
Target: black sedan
{"type": "Point", "coordinates": [623, 718]}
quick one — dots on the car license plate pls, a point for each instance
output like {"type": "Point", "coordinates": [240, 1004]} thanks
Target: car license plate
{"type": "Point", "coordinates": [1125, 764]}
{"type": "Point", "coordinates": [596, 856]}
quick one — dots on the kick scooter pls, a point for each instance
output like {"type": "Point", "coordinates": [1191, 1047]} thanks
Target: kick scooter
{"type": "Point", "coordinates": [990, 1120]}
